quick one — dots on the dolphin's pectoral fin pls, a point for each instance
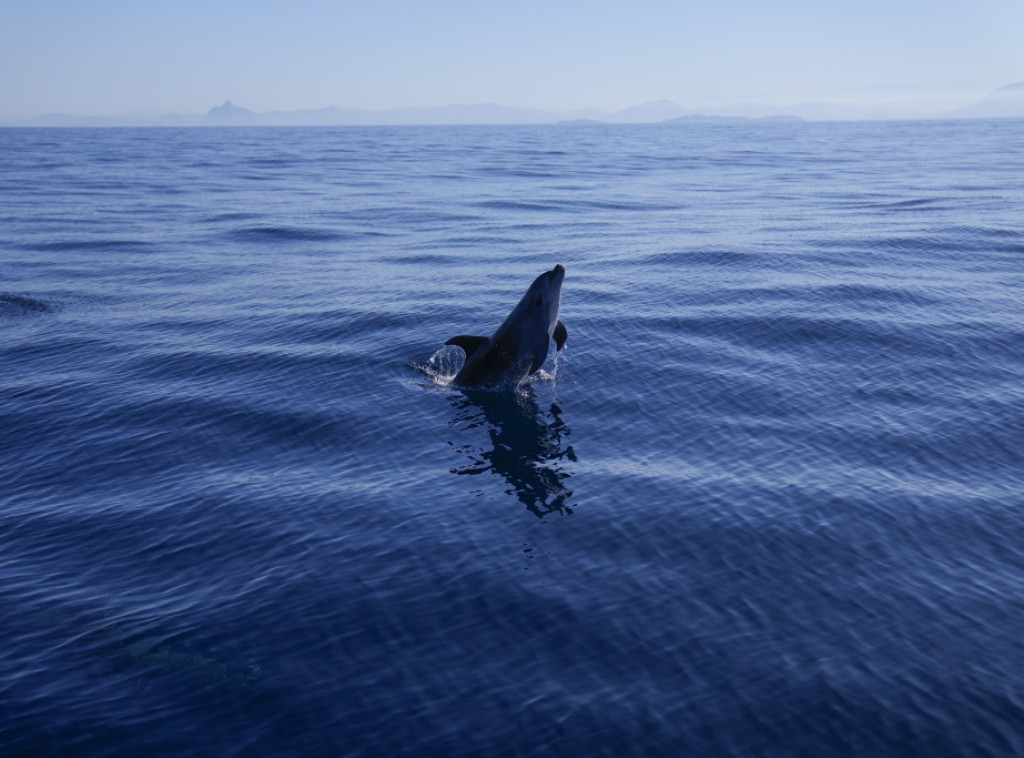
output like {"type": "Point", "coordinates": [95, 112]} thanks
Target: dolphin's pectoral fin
{"type": "Point", "coordinates": [468, 342]}
{"type": "Point", "coordinates": [561, 335]}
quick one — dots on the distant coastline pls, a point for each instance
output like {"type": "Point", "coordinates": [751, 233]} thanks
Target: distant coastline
{"type": "Point", "coordinates": [1005, 102]}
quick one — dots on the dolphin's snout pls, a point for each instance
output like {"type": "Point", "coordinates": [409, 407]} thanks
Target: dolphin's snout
{"type": "Point", "coordinates": [558, 270]}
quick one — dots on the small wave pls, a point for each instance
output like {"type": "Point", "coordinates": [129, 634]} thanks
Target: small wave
{"type": "Point", "coordinates": [578, 206]}
{"type": "Point", "coordinates": [513, 205]}
{"type": "Point", "coordinates": [518, 172]}
{"type": "Point", "coordinates": [284, 234]}
{"type": "Point", "coordinates": [272, 162]}
{"type": "Point", "coordinates": [909, 205]}
{"type": "Point", "coordinates": [707, 257]}
{"type": "Point", "coordinates": [233, 217]}
{"type": "Point", "coordinates": [622, 205]}
{"type": "Point", "coordinates": [91, 245]}
{"type": "Point", "coordinates": [867, 294]}
{"type": "Point", "coordinates": [344, 329]}
{"type": "Point", "coordinates": [480, 240]}
{"type": "Point", "coordinates": [799, 334]}
{"type": "Point", "coordinates": [838, 297]}
{"type": "Point", "coordinates": [13, 304]}
{"type": "Point", "coordinates": [426, 259]}
{"type": "Point", "coordinates": [885, 246]}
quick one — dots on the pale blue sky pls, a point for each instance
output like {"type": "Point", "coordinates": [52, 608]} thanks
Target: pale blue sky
{"type": "Point", "coordinates": [118, 57]}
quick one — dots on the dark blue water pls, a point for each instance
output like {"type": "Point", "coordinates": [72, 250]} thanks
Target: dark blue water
{"type": "Point", "coordinates": [768, 501]}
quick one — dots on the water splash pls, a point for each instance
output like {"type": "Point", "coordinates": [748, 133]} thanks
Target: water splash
{"type": "Point", "coordinates": [443, 365]}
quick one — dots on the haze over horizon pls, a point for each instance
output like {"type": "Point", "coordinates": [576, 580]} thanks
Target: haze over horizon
{"type": "Point", "coordinates": [115, 58]}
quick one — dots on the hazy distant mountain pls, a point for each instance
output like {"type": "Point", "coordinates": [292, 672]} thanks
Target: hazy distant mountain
{"type": "Point", "coordinates": [658, 110]}
{"type": "Point", "coordinates": [1005, 102]}
{"type": "Point", "coordinates": [813, 111]}
{"type": "Point", "coordinates": [229, 114]}
{"type": "Point", "coordinates": [487, 113]}
{"type": "Point", "coordinates": [584, 114]}
{"type": "Point", "coordinates": [695, 118]}
{"type": "Point", "coordinates": [484, 113]}
{"type": "Point", "coordinates": [61, 119]}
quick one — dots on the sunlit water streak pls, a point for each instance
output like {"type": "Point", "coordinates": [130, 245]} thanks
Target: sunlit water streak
{"type": "Point", "coordinates": [767, 501]}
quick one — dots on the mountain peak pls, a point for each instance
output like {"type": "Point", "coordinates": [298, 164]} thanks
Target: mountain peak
{"type": "Point", "coordinates": [228, 114]}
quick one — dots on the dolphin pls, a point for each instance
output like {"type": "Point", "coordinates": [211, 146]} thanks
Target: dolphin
{"type": "Point", "coordinates": [521, 343]}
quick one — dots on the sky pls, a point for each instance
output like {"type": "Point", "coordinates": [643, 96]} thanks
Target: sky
{"type": "Point", "coordinates": [129, 57]}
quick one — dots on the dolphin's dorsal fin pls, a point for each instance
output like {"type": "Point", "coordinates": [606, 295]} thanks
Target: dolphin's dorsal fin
{"type": "Point", "coordinates": [468, 342]}
{"type": "Point", "coordinates": [561, 335]}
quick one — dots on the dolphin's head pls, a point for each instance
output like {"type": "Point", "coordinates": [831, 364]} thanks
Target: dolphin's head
{"type": "Point", "coordinates": [542, 300]}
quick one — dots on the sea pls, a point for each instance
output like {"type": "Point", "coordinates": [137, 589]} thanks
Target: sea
{"type": "Point", "coordinates": [768, 501]}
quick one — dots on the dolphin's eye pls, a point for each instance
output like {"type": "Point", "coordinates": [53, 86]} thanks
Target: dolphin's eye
{"type": "Point", "coordinates": [539, 300]}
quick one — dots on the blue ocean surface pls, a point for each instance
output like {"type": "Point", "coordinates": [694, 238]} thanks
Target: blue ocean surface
{"type": "Point", "coordinates": [768, 501]}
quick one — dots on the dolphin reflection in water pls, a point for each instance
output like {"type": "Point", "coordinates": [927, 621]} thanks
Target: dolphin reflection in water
{"type": "Point", "coordinates": [527, 447]}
